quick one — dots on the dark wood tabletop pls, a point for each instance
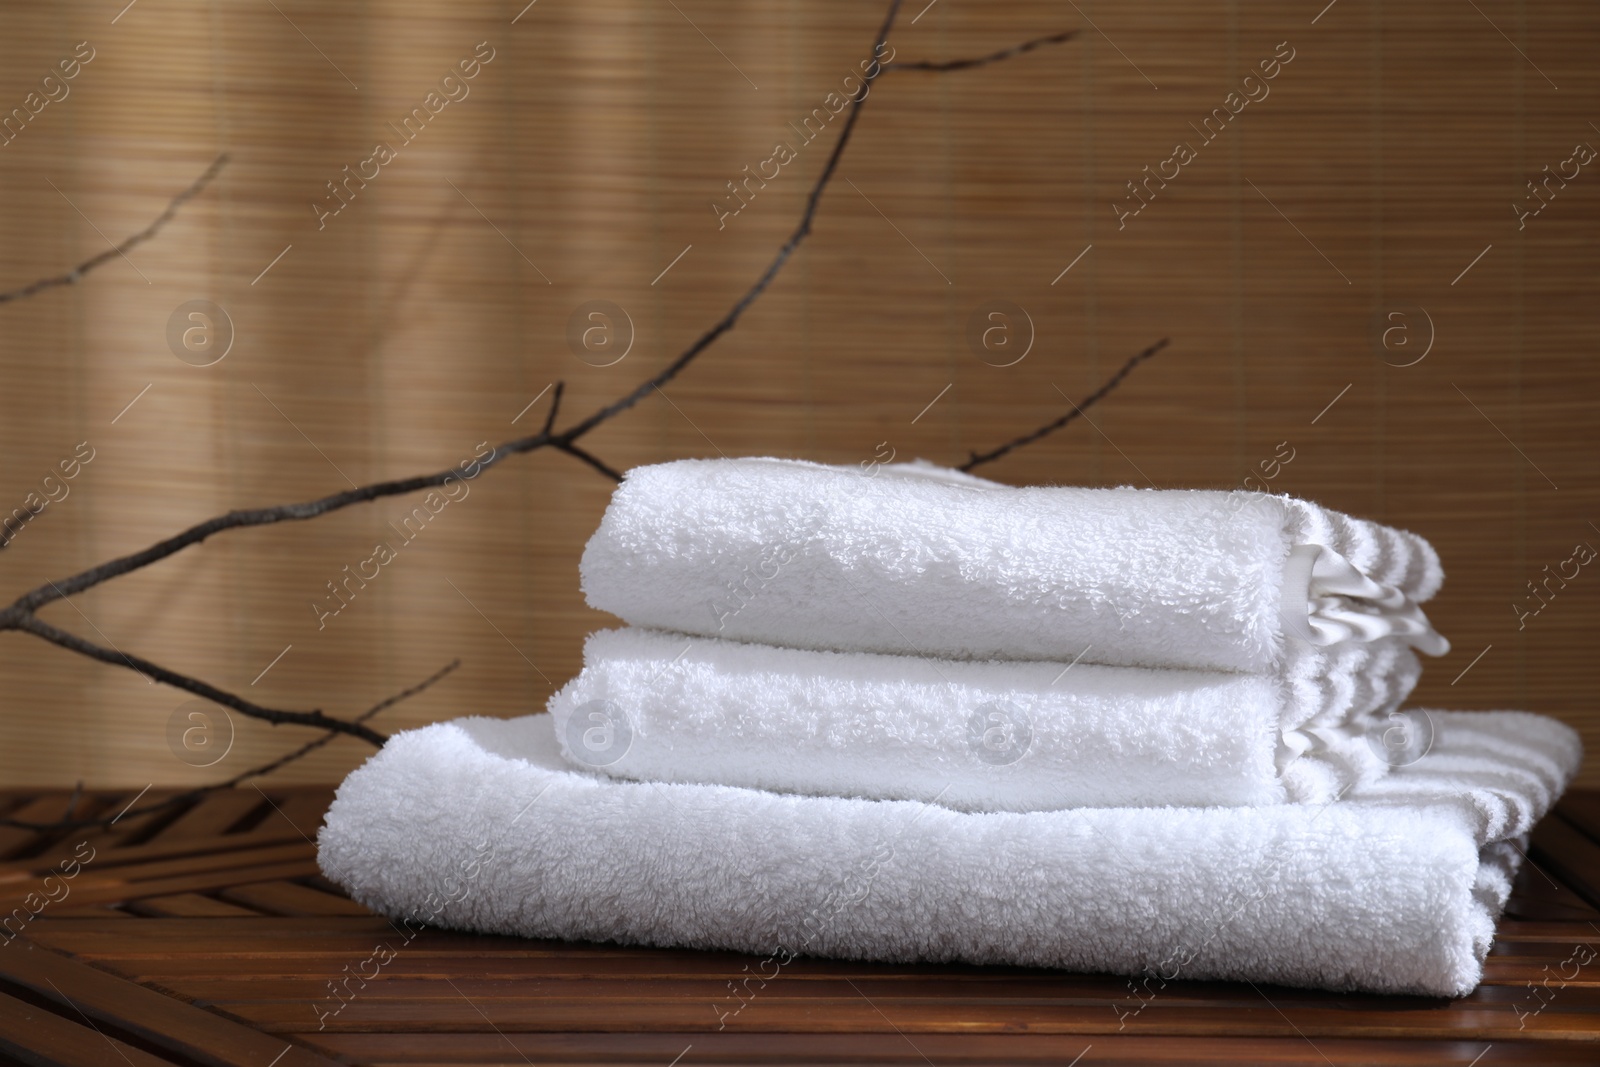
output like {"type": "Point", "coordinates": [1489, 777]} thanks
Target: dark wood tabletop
{"type": "Point", "coordinates": [204, 935]}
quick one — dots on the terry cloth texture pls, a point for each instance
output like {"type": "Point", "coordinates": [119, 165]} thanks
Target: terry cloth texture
{"type": "Point", "coordinates": [479, 824]}
{"type": "Point", "coordinates": [932, 562]}
{"type": "Point", "coordinates": [985, 735]}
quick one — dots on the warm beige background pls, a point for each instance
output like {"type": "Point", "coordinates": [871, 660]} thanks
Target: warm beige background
{"type": "Point", "coordinates": [410, 329]}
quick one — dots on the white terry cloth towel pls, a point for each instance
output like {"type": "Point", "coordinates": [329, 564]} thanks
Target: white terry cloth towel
{"type": "Point", "coordinates": [984, 735]}
{"type": "Point", "coordinates": [922, 560]}
{"type": "Point", "coordinates": [478, 824]}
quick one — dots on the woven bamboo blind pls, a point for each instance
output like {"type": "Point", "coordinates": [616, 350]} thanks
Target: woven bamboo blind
{"type": "Point", "coordinates": [1328, 224]}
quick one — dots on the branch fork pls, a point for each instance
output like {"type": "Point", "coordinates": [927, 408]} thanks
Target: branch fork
{"type": "Point", "coordinates": [21, 614]}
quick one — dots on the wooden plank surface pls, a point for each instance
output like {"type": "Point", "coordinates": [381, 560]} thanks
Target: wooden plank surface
{"type": "Point", "coordinates": [940, 1049]}
{"type": "Point", "coordinates": [192, 968]}
{"type": "Point", "coordinates": [289, 898]}
{"type": "Point", "coordinates": [33, 1035]}
{"type": "Point", "coordinates": [114, 1006]}
{"type": "Point", "coordinates": [187, 906]}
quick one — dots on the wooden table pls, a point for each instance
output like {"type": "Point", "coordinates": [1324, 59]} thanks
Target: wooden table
{"type": "Point", "coordinates": [205, 936]}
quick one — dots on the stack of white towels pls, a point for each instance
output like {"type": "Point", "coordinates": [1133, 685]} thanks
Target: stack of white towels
{"type": "Point", "coordinates": [918, 715]}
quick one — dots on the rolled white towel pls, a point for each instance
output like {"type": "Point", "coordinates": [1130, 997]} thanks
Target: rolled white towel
{"type": "Point", "coordinates": [984, 735]}
{"type": "Point", "coordinates": [921, 560]}
{"type": "Point", "coordinates": [479, 824]}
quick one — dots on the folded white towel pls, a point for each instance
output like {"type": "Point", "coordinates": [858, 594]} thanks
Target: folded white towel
{"type": "Point", "coordinates": [984, 735]}
{"type": "Point", "coordinates": [934, 562]}
{"type": "Point", "coordinates": [479, 824]}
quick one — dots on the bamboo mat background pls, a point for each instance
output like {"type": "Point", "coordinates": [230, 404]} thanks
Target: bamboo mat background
{"type": "Point", "coordinates": [424, 317]}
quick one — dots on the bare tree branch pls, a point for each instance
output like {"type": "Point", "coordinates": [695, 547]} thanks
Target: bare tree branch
{"type": "Point", "coordinates": [979, 61]}
{"type": "Point", "coordinates": [29, 623]}
{"type": "Point", "coordinates": [801, 231]}
{"type": "Point", "coordinates": [592, 460]}
{"type": "Point", "coordinates": [21, 614]}
{"type": "Point", "coordinates": [72, 276]}
{"type": "Point", "coordinates": [56, 590]}
{"type": "Point", "coordinates": [67, 822]}
{"type": "Point", "coordinates": [555, 407]}
{"type": "Point", "coordinates": [1051, 427]}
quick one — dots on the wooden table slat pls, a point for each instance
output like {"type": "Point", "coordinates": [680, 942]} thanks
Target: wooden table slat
{"type": "Point", "coordinates": [134, 861]}
{"type": "Point", "coordinates": [187, 906]}
{"type": "Point", "coordinates": [1536, 896]}
{"type": "Point", "coordinates": [116, 1005]}
{"type": "Point", "coordinates": [201, 863]}
{"type": "Point", "coordinates": [1099, 993]}
{"type": "Point", "coordinates": [33, 1035]}
{"type": "Point", "coordinates": [1581, 807]}
{"type": "Point", "coordinates": [127, 827]}
{"type": "Point", "coordinates": [301, 809]}
{"type": "Point", "coordinates": [46, 808]}
{"type": "Point", "coordinates": [90, 911]}
{"type": "Point", "coordinates": [1564, 854]}
{"type": "Point", "coordinates": [944, 1050]}
{"type": "Point", "coordinates": [110, 891]}
{"type": "Point", "coordinates": [211, 815]}
{"type": "Point", "coordinates": [289, 899]}
{"type": "Point", "coordinates": [1567, 1018]}
{"type": "Point", "coordinates": [1517, 964]}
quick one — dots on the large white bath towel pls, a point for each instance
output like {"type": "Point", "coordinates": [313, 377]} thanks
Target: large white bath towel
{"type": "Point", "coordinates": [479, 824]}
{"type": "Point", "coordinates": [933, 562]}
{"type": "Point", "coordinates": [985, 735]}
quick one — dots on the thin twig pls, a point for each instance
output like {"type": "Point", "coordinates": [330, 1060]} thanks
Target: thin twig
{"type": "Point", "coordinates": [592, 460]}
{"type": "Point", "coordinates": [243, 776]}
{"type": "Point", "coordinates": [51, 591]}
{"type": "Point", "coordinates": [801, 231]}
{"type": "Point", "coordinates": [979, 61]}
{"type": "Point", "coordinates": [32, 624]}
{"type": "Point", "coordinates": [405, 694]}
{"type": "Point", "coordinates": [21, 614]}
{"type": "Point", "coordinates": [555, 407]}
{"type": "Point", "coordinates": [72, 276]}
{"type": "Point", "coordinates": [1051, 427]}
{"type": "Point", "coordinates": [564, 441]}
